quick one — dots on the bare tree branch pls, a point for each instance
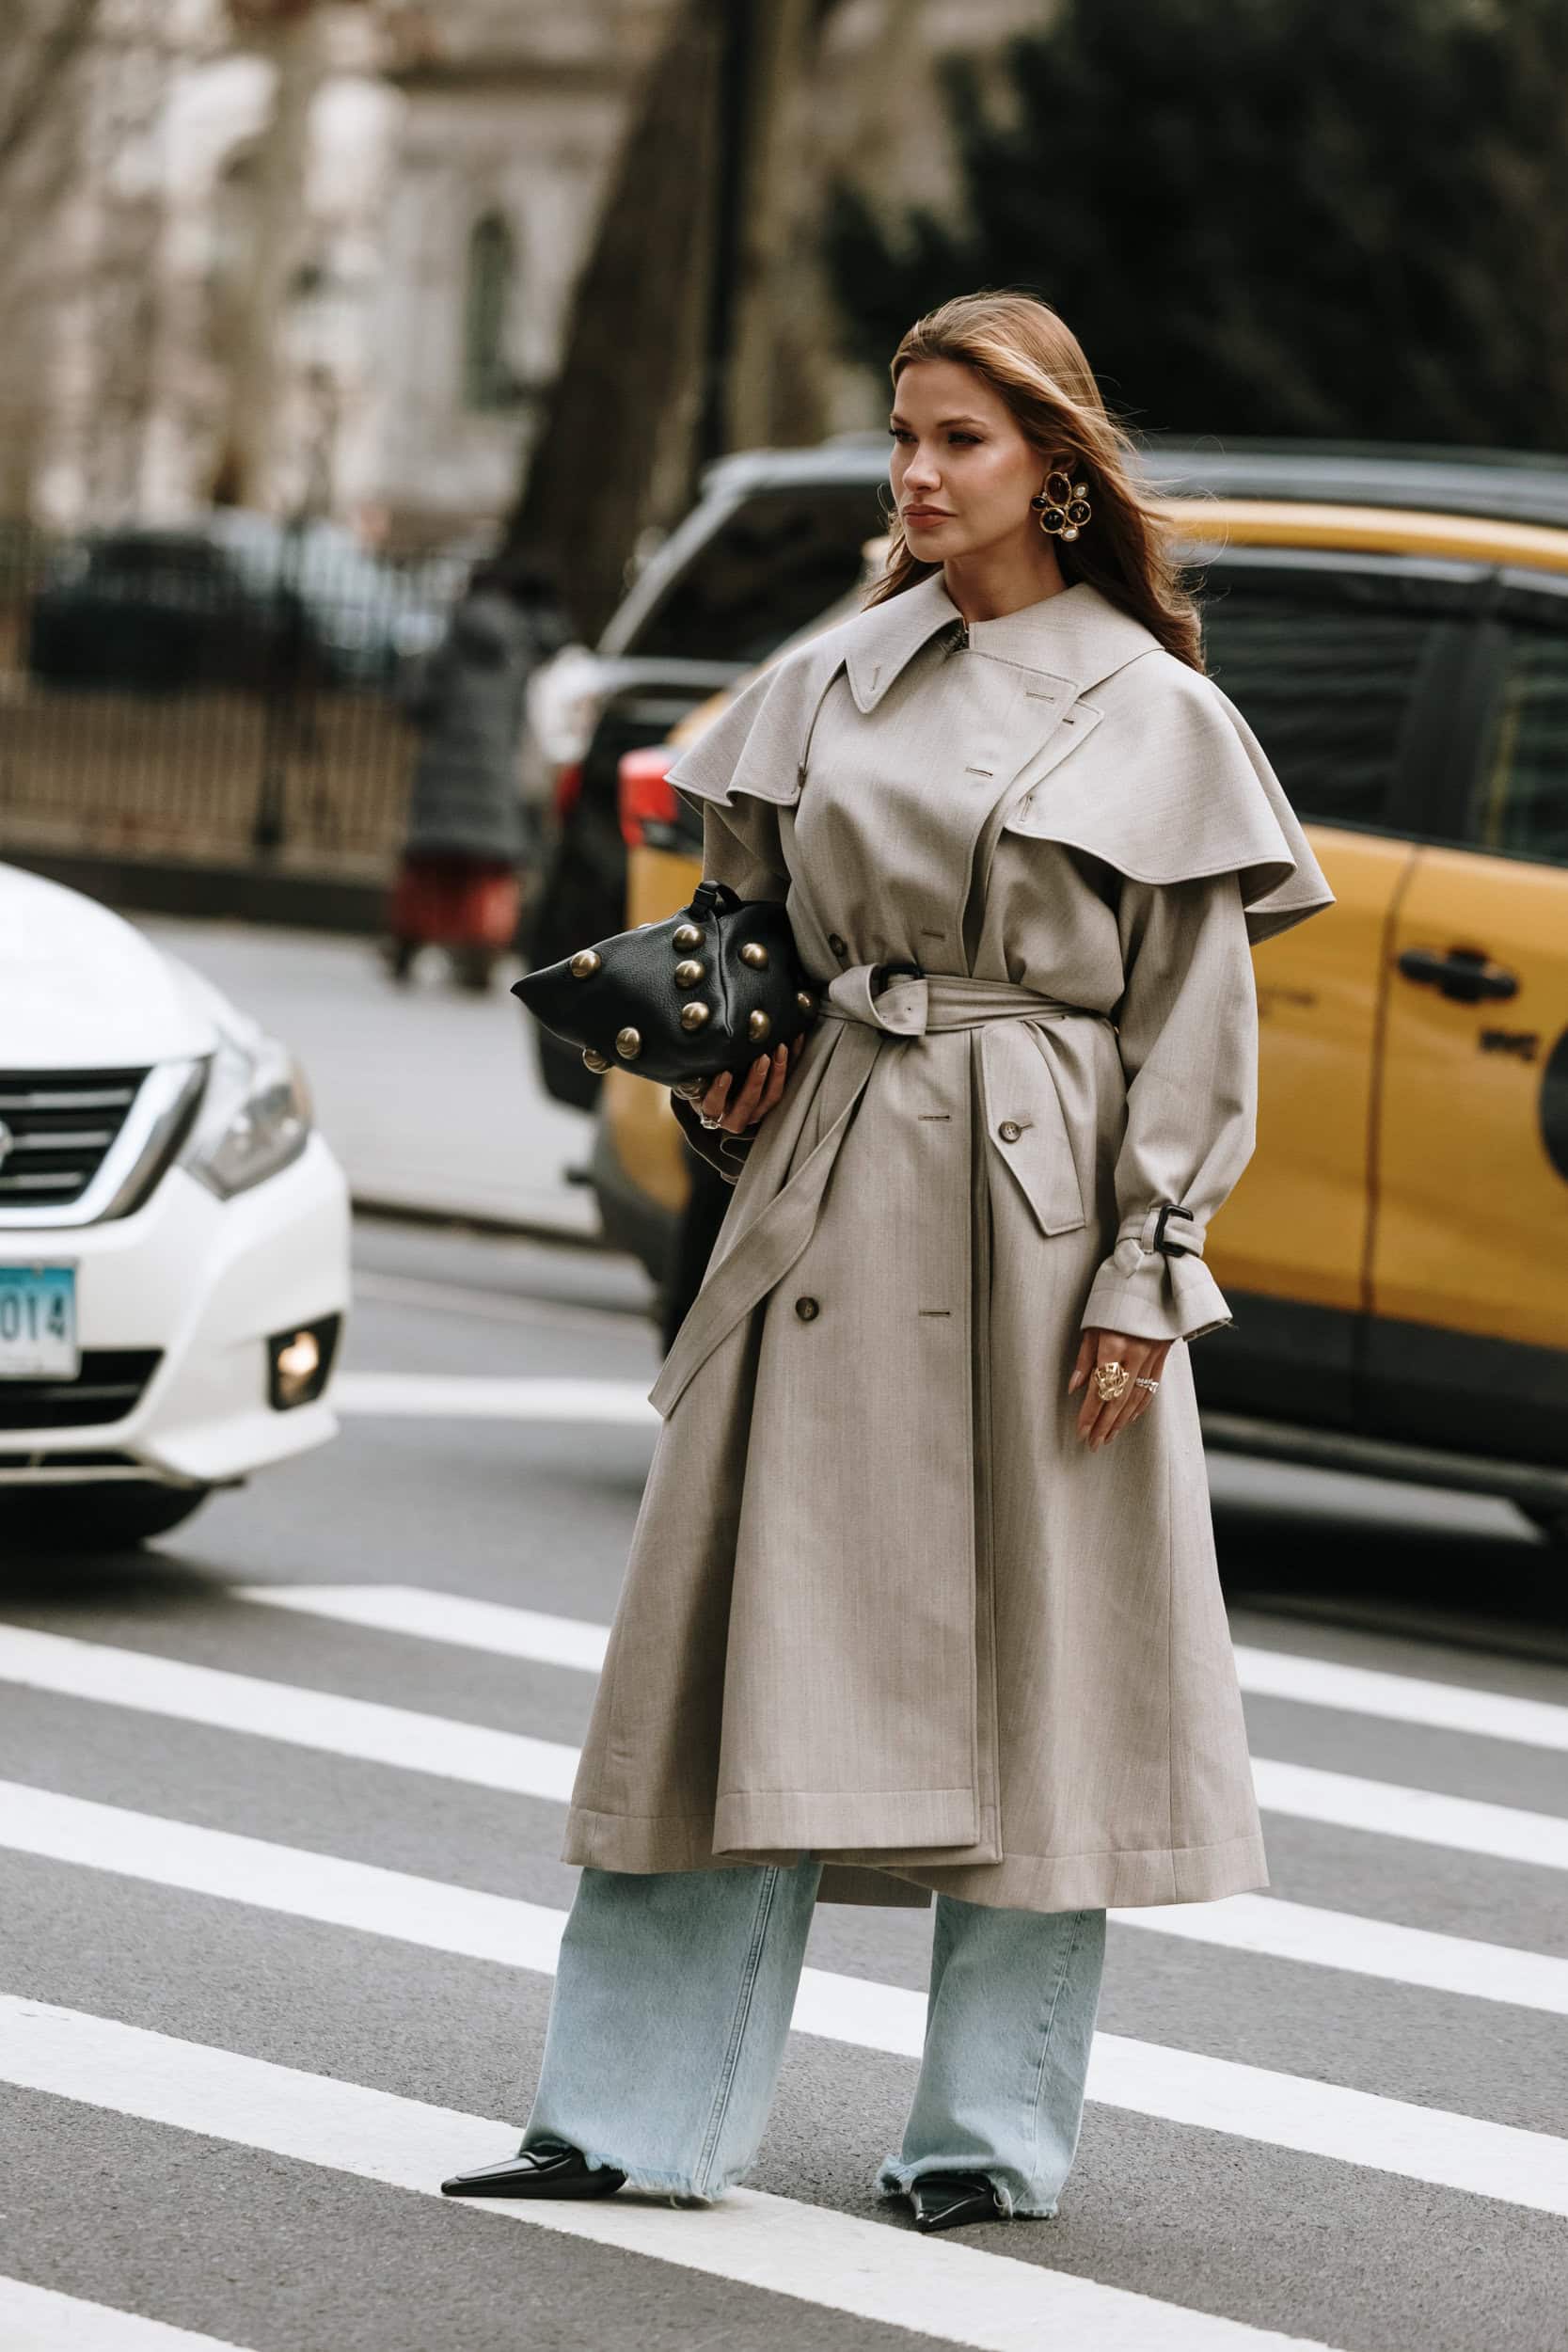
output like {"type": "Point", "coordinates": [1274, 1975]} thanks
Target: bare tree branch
{"type": "Point", "coordinates": [618, 444]}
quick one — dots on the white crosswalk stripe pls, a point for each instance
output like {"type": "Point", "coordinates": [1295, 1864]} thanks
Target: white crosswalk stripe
{"type": "Point", "coordinates": [1421, 2143]}
{"type": "Point", "coordinates": [1402, 1698]}
{"type": "Point", "coordinates": [806, 2252]}
{"type": "Point", "coordinates": [1425, 1816]}
{"type": "Point", "coordinates": [543, 1768]}
{"type": "Point", "coordinates": [37, 2319]}
{"type": "Point", "coordinates": [494, 1626]}
{"type": "Point", "coordinates": [362, 1728]}
{"type": "Point", "coordinates": [1274, 1929]}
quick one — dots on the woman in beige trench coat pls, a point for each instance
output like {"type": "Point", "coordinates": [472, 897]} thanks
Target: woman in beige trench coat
{"type": "Point", "coordinates": [921, 1597]}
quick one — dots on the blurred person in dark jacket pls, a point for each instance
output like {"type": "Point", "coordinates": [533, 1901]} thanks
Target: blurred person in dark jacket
{"type": "Point", "coordinates": [459, 886]}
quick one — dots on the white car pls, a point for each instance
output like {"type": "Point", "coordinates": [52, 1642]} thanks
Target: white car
{"type": "Point", "coordinates": [174, 1264]}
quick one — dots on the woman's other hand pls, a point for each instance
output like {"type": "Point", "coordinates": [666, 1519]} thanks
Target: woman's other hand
{"type": "Point", "coordinates": [737, 1106]}
{"type": "Point", "coordinates": [1098, 1419]}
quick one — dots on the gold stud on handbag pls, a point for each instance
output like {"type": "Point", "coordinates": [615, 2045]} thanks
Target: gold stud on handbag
{"type": "Point", "coordinates": [1062, 506]}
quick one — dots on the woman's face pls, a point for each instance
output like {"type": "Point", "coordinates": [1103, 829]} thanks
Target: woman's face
{"type": "Point", "coordinates": [962, 471]}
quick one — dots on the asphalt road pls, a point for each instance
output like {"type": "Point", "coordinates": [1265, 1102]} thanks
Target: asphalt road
{"type": "Point", "coordinates": [272, 1957]}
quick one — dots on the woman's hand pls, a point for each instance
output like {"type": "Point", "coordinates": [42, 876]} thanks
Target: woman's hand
{"type": "Point", "coordinates": [1099, 1420]}
{"type": "Point", "coordinates": [737, 1108]}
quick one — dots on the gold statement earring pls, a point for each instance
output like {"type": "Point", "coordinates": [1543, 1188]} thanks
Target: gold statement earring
{"type": "Point", "coordinates": [1062, 510]}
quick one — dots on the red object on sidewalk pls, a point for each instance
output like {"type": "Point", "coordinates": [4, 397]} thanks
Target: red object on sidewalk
{"type": "Point", "coordinates": [455, 902]}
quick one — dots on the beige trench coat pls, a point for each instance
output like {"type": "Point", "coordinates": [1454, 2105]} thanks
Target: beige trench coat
{"type": "Point", "coordinates": [882, 1604]}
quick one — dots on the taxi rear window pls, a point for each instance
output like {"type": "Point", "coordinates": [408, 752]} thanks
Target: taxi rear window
{"type": "Point", "coordinates": [1519, 804]}
{"type": "Point", "coordinates": [1330, 686]}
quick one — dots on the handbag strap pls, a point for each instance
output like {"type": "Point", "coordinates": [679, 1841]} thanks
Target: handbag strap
{"type": "Point", "coordinates": [713, 898]}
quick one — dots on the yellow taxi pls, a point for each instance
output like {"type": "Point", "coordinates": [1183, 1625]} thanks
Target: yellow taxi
{"type": "Point", "coordinates": [1397, 1253]}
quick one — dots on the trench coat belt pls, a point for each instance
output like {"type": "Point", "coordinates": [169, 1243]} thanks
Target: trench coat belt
{"type": "Point", "coordinates": [768, 1247]}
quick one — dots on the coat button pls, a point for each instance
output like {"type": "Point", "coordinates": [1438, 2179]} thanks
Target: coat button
{"type": "Point", "coordinates": [1009, 1130]}
{"type": "Point", "coordinates": [839, 946]}
{"type": "Point", "coordinates": [808, 1308]}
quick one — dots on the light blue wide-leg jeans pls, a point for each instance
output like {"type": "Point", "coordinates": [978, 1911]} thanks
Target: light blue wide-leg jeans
{"type": "Point", "coordinates": [672, 2009]}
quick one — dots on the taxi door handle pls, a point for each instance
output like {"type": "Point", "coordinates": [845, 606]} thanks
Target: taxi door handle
{"type": "Point", "coordinates": [1463, 972]}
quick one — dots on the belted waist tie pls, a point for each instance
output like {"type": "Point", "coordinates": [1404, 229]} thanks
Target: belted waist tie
{"type": "Point", "coordinates": [765, 1249]}
{"type": "Point", "coordinates": [937, 1002]}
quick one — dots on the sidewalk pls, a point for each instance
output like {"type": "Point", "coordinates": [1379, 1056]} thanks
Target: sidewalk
{"type": "Point", "coordinates": [430, 1098]}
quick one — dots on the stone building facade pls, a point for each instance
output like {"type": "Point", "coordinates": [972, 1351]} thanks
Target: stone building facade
{"type": "Point", "coordinates": [458, 154]}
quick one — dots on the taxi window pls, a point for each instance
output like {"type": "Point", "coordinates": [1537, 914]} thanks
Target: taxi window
{"type": "Point", "coordinates": [1328, 688]}
{"type": "Point", "coordinates": [1519, 804]}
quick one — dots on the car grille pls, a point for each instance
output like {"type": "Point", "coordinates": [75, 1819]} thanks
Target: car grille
{"type": "Point", "coordinates": [55, 1127]}
{"type": "Point", "coordinates": [108, 1387]}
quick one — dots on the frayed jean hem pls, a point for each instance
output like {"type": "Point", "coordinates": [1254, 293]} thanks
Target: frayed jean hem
{"type": "Point", "coordinates": [897, 2180]}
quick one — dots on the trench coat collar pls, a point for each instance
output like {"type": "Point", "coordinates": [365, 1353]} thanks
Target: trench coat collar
{"type": "Point", "coordinates": [1077, 634]}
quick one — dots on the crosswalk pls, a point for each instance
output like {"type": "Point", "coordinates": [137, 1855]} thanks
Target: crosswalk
{"type": "Point", "coordinates": [817, 2254]}
{"type": "Point", "coordinates": [759, 2241]}
{"type": "Point", "coordinates": [527, 1767]}
{"type": "Point", "coordinates": [510, 1633]}
{"type": "Point", "coordinates": [1527, 2169]}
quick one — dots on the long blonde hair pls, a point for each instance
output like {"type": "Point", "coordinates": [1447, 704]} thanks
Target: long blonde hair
{"type": "Point", "coordinates": [1033, 362]}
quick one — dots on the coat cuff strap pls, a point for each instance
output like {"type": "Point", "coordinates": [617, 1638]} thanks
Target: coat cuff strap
{"type": "Point", "coordinates": [1157, 1289]}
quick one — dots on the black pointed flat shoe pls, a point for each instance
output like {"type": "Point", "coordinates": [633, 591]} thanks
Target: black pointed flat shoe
{"type": "Point", "coordinates": [947, 2201]}
{"type": "Point", "coordinates": [552, 2169]}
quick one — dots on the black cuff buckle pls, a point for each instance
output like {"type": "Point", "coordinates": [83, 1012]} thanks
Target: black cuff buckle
{"type": "Point", "coordinates": [1170, 1248]}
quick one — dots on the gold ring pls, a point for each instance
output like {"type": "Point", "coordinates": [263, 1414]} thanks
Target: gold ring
{"type": "Point", "coordinates": [1113, 1380]}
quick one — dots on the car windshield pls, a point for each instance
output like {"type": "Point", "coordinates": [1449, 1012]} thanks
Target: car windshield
{"type": "Point", "coordinates": [770, 567]}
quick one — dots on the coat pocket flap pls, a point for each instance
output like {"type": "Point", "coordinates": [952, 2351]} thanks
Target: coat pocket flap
{"type": "Point", "coordinates": [1026, 1127]}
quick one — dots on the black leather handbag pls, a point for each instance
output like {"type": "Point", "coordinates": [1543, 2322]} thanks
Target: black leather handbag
{"type": "Point", "coordinates": [680, 1001]}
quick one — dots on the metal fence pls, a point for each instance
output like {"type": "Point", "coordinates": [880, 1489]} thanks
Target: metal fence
{"type": "Point", "coordinates": [230, 692]}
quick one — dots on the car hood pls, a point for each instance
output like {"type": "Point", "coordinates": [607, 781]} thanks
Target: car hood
{"type": "Point", "coordinates": [82, 990]}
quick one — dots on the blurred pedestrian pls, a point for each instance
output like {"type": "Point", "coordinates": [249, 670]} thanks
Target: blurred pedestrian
{"type": "Point", "coordinates": [460, 883]}
{"type": "Point", "coordinates": [923, 1596]}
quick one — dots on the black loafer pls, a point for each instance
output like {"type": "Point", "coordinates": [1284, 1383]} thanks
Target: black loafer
{"type": "Point", "coordinates": [550, 2169]}
{"type": "Point", "coordinates": [947, 2201]}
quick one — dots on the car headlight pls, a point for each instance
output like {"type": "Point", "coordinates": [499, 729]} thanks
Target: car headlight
{"type": "Point", "coordinates": [255, 1117]}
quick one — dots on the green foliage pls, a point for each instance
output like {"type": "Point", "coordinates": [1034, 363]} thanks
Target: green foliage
{"type": "Point", "coordinates": [1338, 218]}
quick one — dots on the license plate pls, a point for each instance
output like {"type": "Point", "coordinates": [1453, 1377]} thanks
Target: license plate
{"type": "Point", "coordinates": [38, 1323]}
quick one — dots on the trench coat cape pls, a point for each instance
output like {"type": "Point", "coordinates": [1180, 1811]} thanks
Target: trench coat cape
{"type": "Point", "coordinates": [882, 1605]}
